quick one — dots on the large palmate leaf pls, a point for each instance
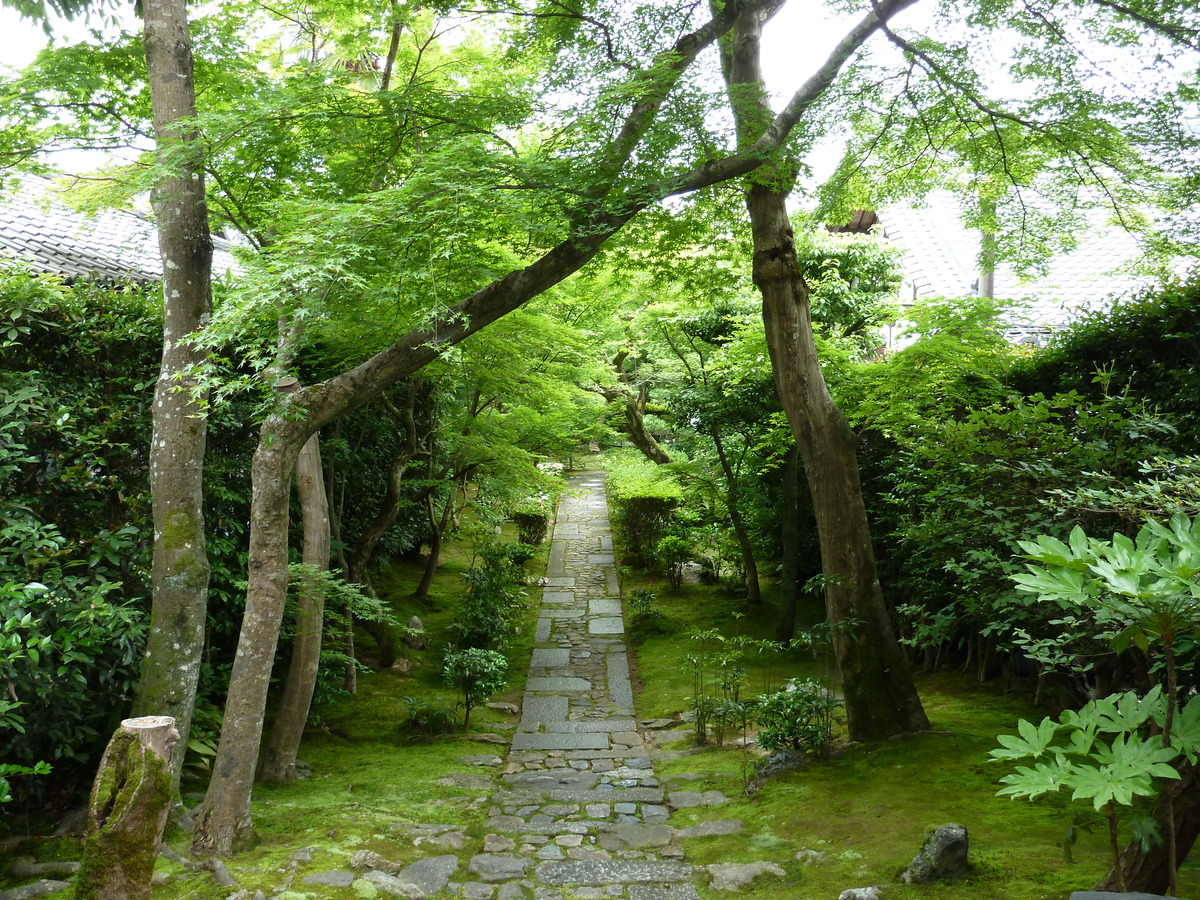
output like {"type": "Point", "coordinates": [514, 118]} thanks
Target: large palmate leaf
{"type": "Point", "coordinates": [1033, 741]}
{"type": "Point", "coordinates": [1043, 778]}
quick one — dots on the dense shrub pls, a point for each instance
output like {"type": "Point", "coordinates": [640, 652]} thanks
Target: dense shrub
{"type": "Point", "coordinates": [643, 499]}
{"type": "Point", "coordinates": [800, 717]}
{"type": "Point", "coordinates": [495, 597]}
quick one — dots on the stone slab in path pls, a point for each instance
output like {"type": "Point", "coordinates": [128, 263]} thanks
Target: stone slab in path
{"type": "Point", "coordinates": [681, 891]}
{"type": "Point", "coordinates": [551, 683]}
{"type": "Point", "coordinates": [525, 740]}
{"type": "Point", "coordinates": [559, 581]}
{"type": "Point", "coordinates": [605, 625]}
{"type": "Point", "coordinates": [580, 726]}
{"type": "Point", "coordinates": [604, 606]}
{"type": "Point", "coordinates": [620, 688]}
{"type": "Point", "coordinates": [537, 710]}
{"type": "Point", "coordinates": [611, 871]}
{"type": "Point", "coordinates": [550, 658]}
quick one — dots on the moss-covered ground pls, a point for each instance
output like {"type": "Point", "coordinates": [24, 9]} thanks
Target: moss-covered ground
{"type": "Point", "coordinates": [866, 808]}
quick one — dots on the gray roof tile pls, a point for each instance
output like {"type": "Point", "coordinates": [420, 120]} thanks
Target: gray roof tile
{"type": "Point", "coordinates": [112, 245]}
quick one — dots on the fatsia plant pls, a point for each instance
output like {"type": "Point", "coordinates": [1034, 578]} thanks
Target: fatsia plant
{"type": "Point", "coordinates": [1105, 754]}
{"type": "Point", "coordinates": [1139, 590]}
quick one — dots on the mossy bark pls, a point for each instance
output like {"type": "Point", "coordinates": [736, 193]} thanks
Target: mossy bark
{"type": "Point", "coordinates": [279, 757]}
{"type": "Point", "coordinates": [881, 697]}
{"type": "Point", "coordinates": [130, 800]}
{"type": "Point", "coordinates": [171, 665]}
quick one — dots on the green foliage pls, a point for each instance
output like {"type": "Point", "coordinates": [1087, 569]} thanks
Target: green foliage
{"type": "Point", "coordinates": [69, 656]}
{"type": "Point", "coordinates": [8, 770]}
{"type": "Point", "coordinates": [801, 717]}
{"type": "Point", "coordinates": [642, 499]}
{"type": "Point", "coordinates": [495, 597]}
{"type": "Point", "coordinates": [477, 673]}
{"type": "Point", "coordinates": [673, 552]}
{"type": "Point", "coordinates": [344, 604]}
{"type": "Point", "coordinates": [427, 718]}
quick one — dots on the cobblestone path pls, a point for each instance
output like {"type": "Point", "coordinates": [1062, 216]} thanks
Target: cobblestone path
{"type": "Point", "coordinates": [577, 812]}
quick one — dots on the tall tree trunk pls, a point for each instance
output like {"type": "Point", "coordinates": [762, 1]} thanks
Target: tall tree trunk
{"type": "Point", "coordinates": [225, 814]}
{"type": "Point", "coordinates": [881, 698]}
{"type": "Point", "coordinates": [171, 665]}
{"type": "Point", "coordinates": [749, 566]}
{"type": "Point", "coordinates": [223, 822]}
{"type": "Point", "coordinates": [790, 544]}
{"type": "Point", "coordinates": [279, 759]}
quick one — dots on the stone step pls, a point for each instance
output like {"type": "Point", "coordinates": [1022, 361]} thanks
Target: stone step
{"type": "Point", "coordinates": [525, 797]}
{"type": "Point", "coordinates": [558, 873]}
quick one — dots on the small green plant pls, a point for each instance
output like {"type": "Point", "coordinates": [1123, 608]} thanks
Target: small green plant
{"type": "Point", "coordinates": [643, 614]}
{"type": "Point", "coordinates": [477, 673]}
{"type": "Point", "coordinates": [800, 717]}
{"type": "Point", "coordinates": [495, 595]}
{"type": "Point", "coordinates": [672, 553]}
{"type": "Point", "coordinates": [425, 719]}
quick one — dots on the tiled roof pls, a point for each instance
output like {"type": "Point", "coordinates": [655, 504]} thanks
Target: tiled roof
{"type": "Point", "coordinates": [112, 245]}
{"type": "Point", "coordinates": [941, 260]}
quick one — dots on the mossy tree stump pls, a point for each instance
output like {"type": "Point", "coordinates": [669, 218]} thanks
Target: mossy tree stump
{"type": "Point", "coordinates": [128, 811]}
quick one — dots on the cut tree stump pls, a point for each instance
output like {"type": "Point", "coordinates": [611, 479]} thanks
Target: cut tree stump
{"type": "Point", "coordinates": [128, 811]}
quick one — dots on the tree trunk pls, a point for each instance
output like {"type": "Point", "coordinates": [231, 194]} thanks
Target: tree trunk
{"type": "Point", "coordinates": [435, 544]}
{"type": "Point", "coordinates": [223, 823]}
{"type": "Point", "coordinates": [279, 762]}
{"type": "Point", "coordinates": [1149, 871]}
{"type": "Point", "coordinates": [359, 558]}
{"type": "Point", "coordinates": [171, 665]}
{"type": "Point", "coordinates": [881, 698]}
{"type": "Point", "coordinates": [225, 814]}
{"type": "Point", "coordinates": [749, 566]}
{"type": "Point", "coordinates": [128, 810]}
{"type": "Point", "coordinates": [635, 408]}
{"type": "Point", "coordinates": [790, 544]}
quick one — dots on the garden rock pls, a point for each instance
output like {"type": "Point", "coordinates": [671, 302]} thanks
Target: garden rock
{"type": "Point", "coordinates": [862, 893]}
{"type": "Point", "coordinates": [37, 889]}
{"type": "Point", "coordinates": [810, 857]}
{"type": "Point", "coordinates": [369, 859]}
{"type": "Point", "coordinates": [711, 829]}
{"type": "Point", "coordinates": [779, 762]}
{"type": "Point", "coordinates": [1105, 895]}
{"type": "Point", "coordinates": [416, 636]}
{"type": "Point", "coordinates": [430, 875]}
{"type": "Point", "coordinates": [332, 878]}
{"type": "Point", "coordinates": [480, 759]}
{"type": "Point", "coordinates": [735, 876]}
{"type": "Point", "coordinates": [943, 855]}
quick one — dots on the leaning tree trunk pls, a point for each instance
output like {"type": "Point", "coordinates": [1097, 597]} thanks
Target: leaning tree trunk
{"type": "Point", "coordinates": [171, 665]}
{"type": "Point", "coordinates": [128, 811]}
{"type": "Point", "coordinates": [279, 757]}
{"type": "Point", "coordinates": [881, 698]}
{"type": "Point", "coordinates": [437, 528]}
{"type": "Point", "coordinates": [223, 823]}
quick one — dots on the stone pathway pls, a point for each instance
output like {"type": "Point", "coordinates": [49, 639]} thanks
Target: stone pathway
{"type": "Point", "coordinates": [579, 813]}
